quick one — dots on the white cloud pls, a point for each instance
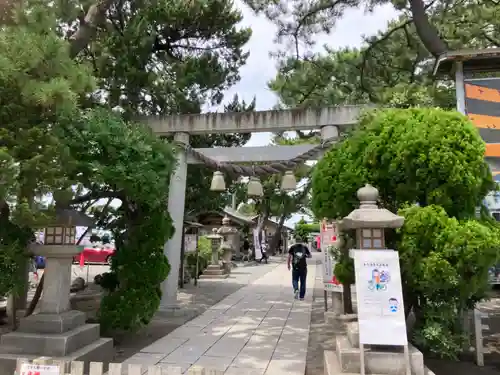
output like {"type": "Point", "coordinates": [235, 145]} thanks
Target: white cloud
{"type": "Point", "coordinates": [261, 68]}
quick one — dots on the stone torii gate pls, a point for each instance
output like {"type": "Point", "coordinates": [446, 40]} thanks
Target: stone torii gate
{"type": "Point", "coordinates": [331, 120]}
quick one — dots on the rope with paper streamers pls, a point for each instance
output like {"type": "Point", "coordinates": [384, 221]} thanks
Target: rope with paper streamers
{"type": "Point", "coordinates": [257, 170]}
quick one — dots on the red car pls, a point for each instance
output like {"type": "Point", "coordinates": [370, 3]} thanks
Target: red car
{"type": "Point", "coordinates": [95, 255]}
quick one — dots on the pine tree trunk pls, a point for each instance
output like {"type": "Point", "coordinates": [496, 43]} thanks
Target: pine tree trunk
{"type": "Point", "coordinates": [347, 299]}
{"type": "Point", "coordinates": [260, 227]}
{"type": "Point", "coordinates": [273, 246]}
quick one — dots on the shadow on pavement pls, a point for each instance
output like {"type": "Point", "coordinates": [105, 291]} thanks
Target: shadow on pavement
{"type": "Point", "coordinates": [193, 301]}
{"type": "Point", "coordinates": [263, 329]}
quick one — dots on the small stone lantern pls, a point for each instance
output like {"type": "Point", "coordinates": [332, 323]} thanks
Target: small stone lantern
{"type": "Point", "coordinates": [370, 221]}
{"type": "Point", "coordinates": [230, 241]}
{"type": "Point", "coordinates": [59, 248]}
{"type": "Point", "coordinates": [215, 242]}
{"type": "Point", "coordinates": [215, 270]}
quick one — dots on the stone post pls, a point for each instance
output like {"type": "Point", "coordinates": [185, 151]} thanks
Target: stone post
{"type": "Point", "coordinates": [330, 132]}
{"type": "Point", "coordinates": [57, 284]}
{"type": "Point", "coordinates": [215, 241]}
{"type": "Point", "coordinates": [176, 202]}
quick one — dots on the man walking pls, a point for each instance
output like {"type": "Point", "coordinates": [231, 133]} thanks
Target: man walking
{"type": "Point", "coordinates": [297, 255]}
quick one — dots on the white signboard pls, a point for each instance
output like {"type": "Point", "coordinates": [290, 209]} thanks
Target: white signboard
{"type": "Point", "coordinates": [257, 245]}
{"type": "Point", "coordinates": [33, 369]}
{"type": "Point", "coordinates": [329, 237]}
{"type": "Point", "coordinates": [380, 298]}
{"type": "Point", "coordinates": [190, 243]}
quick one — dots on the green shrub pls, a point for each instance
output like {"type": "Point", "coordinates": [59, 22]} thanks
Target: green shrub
{"type": "Point", "coordinates": [204, 257]}
{"type": "Point", "coordinates": [138, 268]}
{"type": "Point", "coordinates": [445, 264]}
{"type": "Point", "coordinates": [303, 230]}
{"type": "Point", "coordinates": [13, 243]}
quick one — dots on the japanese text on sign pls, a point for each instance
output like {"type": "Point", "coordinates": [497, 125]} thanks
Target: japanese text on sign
{"type": "Point", "coordinates": [329, 237]}
{"type": "Point", "coordinates": [34, 369]}
{"type": "Point", "coordinates": [380, 298]}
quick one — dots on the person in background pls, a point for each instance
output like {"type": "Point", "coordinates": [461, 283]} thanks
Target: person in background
{"type": "Point", "coordinates": [246, 247]}
{"type": "Point", "coordinates": [297, 262]}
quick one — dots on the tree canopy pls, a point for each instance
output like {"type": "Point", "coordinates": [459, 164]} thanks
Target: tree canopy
{"type": "Point", "coordinates": [424, 156]}
{"type": "Point", "coordinates": [393, 67]}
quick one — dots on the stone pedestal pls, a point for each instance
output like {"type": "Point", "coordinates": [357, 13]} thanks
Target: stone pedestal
{"type": "Point", "coordinates": [214, 271]}
{"type": "Point", "coordinates": [215, 257]}
{"type": "Point", "coordinates": [56, 331]}
{"type": "Point", "coordinates": [378, 360]}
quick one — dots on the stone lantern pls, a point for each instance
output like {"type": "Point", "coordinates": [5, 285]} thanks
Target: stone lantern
{"type": "Point", "coordinates": [230, 242]}
{"type": "Point", "coordinates": [56, 330]}
{"type": "Point", "coordinates": [215, 269]}
{"type": "Point", "coordinates": [215, 242]}
{"type": "Point", "coordinates": [59, 248]}
{"type": "Point", "coordinates": [369, 220]}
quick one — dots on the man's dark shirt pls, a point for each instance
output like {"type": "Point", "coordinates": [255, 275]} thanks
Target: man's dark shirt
{"type": "Point", "coordinates": [299, 253]}
{"type": "Point", "coordinates": [246, 245]}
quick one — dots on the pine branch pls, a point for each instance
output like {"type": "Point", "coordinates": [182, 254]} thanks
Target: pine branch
{"type": "Point", "coordinates": [88, 26]}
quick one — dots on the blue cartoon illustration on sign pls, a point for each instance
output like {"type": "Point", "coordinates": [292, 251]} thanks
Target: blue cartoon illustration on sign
{"type": "Point", "coordinates": [378, 280]}
{"type": "Point", "coordinates": [393, 305]}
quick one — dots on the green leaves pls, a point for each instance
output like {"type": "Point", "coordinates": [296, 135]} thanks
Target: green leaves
{"type": "Point", "coordinates": [303, 230]}
{"type": "Point", "coordinates": [165, 57]}
{"type": "Point", "coordinates": [40, 87]}
{"type": "Point", "coordinates": [8, 172]}
{"type": "Point", "coordinates": [445, 263]}
{"type": "Point", "coordinates": [118, 156]}
{"type": "Point", "coordinates": [425, 156]}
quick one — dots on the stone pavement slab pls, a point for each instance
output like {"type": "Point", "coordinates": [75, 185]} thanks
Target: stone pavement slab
{"type": "Point", "coordinates": [258, 330]}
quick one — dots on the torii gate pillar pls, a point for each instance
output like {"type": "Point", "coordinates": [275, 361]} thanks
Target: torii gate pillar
{"type": "Point", "coordinates": [176, 204]}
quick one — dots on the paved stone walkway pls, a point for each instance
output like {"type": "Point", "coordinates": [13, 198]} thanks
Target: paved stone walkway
{"type": "Point", "coordinates": [258, 330]}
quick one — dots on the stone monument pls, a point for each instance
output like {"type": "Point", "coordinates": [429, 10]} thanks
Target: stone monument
{"type": "Point", "coordinates": [215, 270]}
{"type": "Point", "coordinates": [56, 331]}
{"type": "Point", "coordinates": [370, 221]}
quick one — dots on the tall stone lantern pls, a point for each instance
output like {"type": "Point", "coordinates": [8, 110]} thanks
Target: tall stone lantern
{"type": "Point", "coordinates": [369, 220]}
{"type": "Point", "coordinates": [56, 330]}
{"type": "Point", "coordinates": [230, 240]}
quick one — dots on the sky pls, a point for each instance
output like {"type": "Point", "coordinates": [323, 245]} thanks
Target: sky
{"type": "Point", "coordinates": [261, 68]}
